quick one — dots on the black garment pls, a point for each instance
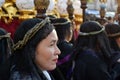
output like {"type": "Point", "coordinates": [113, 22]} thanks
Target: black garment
{"type": "Point", "coordinates": [57, 74]}
{"type": "Point", "coordinates": [89, 66]}
{"type": "Point", "coordinates": [65, 48]}
{"type": "Point", "coordinates": [17, 75]}
{"type": "Point", "coordinates": [116, 71]}
{"type": "Point", "coordinates": [5, 71]}
{"type": "Point", "coordinates": [115, 66]}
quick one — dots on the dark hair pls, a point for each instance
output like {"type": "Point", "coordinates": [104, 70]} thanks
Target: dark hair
{"type": "Point", "coordinates": [109, 18]}
{"type": "Point", "coordinates": [97, 42]}
{"type": "Point", "coordinates": [26, 55]}
{"type": "Point", "coordinates": [62, 27]}
{"type": "Point", "coordinates": [5, 52]}
{"type": "Point", "coordinates": [113, 32]}
{"type": "Point", "coordinates": [102, 21]}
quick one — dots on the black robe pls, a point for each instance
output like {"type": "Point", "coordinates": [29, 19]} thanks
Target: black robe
{"type": "Point", "coordinates": [89, 66]}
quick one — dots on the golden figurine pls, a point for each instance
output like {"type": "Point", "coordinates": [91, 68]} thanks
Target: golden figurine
{"type": "Point", "coordinates": [10, 7]}
{"type": "Point", "coordinates": [78, 19]}
{"type": "Point", "coordinates": [10, 10]}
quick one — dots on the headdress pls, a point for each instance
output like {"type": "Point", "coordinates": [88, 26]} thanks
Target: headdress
{"type": "Point", "coordinates": [113, 30]}
{"type": "Point", "coordinates": [91, 33]}
{"type": "Point", "coordinates": [30, 34]}
{"type": "Point", "coordinates": [5, 36]}
{"type": "Point", "coordinates": [61, 23]}
{"type": "Point", "coordinates": [114, 35]}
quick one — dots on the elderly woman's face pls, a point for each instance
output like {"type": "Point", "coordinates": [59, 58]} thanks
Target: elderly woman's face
{"type": "Point", "coordinates": [47, 52]}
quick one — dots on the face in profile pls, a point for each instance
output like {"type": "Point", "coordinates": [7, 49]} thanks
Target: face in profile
{"type": "Point", "coordinates": [47, 52]}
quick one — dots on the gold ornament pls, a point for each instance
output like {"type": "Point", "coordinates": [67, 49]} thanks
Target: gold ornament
{"type": "Point", "coordinates": [41, 4]}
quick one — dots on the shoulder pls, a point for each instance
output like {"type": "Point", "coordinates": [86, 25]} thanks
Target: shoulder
{"type": "Point", "coordinates": [88, 54]}
{"type": "Point", "coordinates": [115, 57]}
{"type": "Point", "coordinates": [17, 75]}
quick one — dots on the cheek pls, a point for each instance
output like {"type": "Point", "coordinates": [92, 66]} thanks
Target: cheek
{"type": "Point", "coordinates": [44, 53]}
{"type": "Point", "coordinates": [43, 58]}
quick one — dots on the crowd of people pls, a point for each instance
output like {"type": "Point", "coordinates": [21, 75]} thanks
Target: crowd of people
{"type": "Point", "coordinates": [41, 49]}
{"type": "Point", "coordinates": [47, 49]}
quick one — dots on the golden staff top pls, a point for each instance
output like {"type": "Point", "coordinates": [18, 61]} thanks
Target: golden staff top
{"type": "Point", "coordinates": [104, 1]}
{"type": "Point", "coordinates": [41, 4]}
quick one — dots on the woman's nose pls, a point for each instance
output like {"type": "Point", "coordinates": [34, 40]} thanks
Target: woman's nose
{"type": "Point", "coordinates": [58, 50]}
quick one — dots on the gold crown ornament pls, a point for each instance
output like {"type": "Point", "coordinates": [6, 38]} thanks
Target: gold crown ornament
{"type": "Point", "coordinates": [41, 7]}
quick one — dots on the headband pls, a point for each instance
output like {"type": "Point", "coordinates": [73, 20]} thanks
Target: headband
{"type": "Point", "coordinates": [5, 36]}
{"type": "Point", "coordinates": [114, 35]}
{"type": "Point", "coordinates": [30, 34]}
{"type": "Point", "coordinates": [91, 33]}
{"type": "Point", "coordinates": [61, 23]}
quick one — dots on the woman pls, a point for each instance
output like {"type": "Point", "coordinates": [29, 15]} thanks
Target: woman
{"type": "Point", "coordinates": [113, 33]}
{"type": "Point", "coordinates": [5, 52]}
{"type": "Point", "coordinates": [35, 50]}
{"type": "Point", "coordinates": [92, 55]}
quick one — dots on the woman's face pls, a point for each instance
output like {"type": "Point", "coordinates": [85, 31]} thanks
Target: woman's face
{"type": "Point", "coordinates": [47, 52]}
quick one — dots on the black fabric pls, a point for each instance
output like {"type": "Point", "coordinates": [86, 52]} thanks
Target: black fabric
{"type": "Point", "coordinates": [16, 75]}
{"type": "Point", "coordinates": [65, 48]}
{"type": "Point", "coordinates": [5, 71]}
{"type": "Point", "coordinates": [89, 66]}
{"type": "Point", "coordinates": [115, 66]}
{"type": "Point", "coordinates": [57, 74]}
{"type": "Point", "coordinates": [116, 71]}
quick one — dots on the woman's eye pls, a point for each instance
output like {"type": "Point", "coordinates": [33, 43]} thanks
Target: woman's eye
{"type": "Point", "coordinates": [51, 44]}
